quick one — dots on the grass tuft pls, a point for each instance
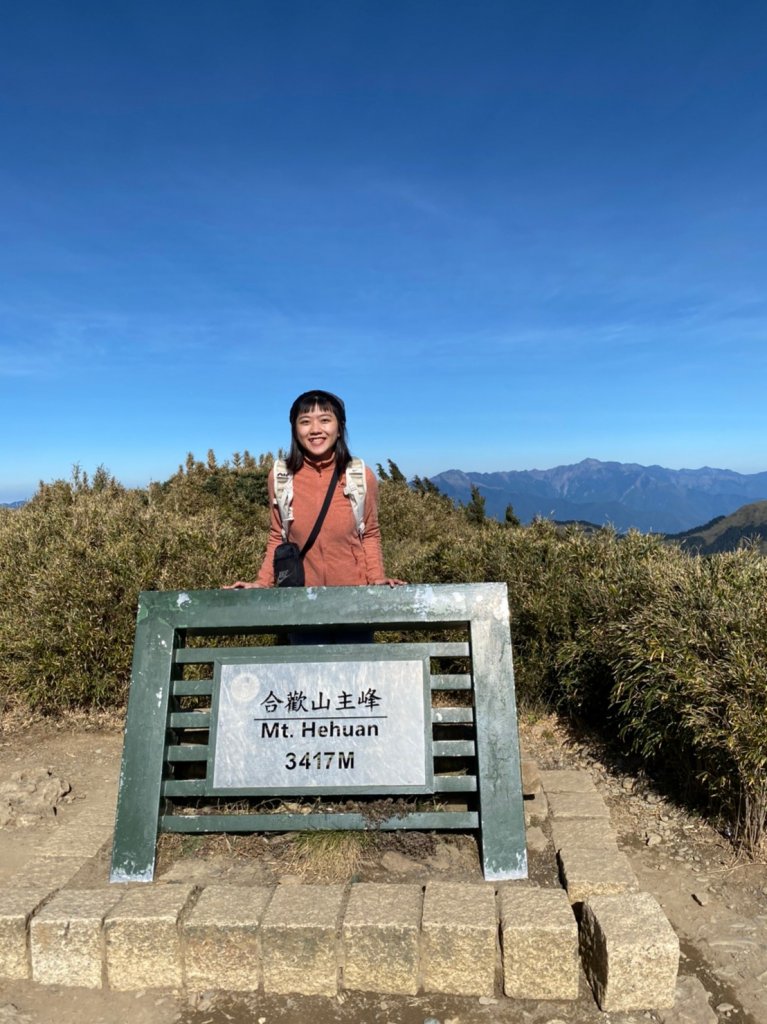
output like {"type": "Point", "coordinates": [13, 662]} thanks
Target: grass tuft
{"type": "Point", "coordinates": [327, 856]}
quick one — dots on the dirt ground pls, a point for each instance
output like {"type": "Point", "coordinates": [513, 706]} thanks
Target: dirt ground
{"type": "Point", "coordinates": [716, 901]}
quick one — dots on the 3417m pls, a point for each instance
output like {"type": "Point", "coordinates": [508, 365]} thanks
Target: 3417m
{"type": "Point", "coordinates": [320, 760]}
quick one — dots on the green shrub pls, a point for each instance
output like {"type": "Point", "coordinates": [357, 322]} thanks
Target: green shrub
{"type": "Point", "coordinates": [72, 562]}
{"type": "Point", "coordinates": [691, 681]}
{"type": "Point", "coordinates": [666, 650]}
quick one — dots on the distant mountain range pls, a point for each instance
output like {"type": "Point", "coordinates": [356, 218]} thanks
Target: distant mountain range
{"type": "Point", "coordinates": [648, 498]}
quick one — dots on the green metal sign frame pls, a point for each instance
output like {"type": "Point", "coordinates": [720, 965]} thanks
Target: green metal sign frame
{"type": "Point", "coordinates": [160, 735]}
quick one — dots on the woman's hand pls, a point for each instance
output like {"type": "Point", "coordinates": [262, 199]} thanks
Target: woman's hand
{"type": "Point", "coordinates": [390, 583]}
{"type": "Point", "coordinates": [243, 585]}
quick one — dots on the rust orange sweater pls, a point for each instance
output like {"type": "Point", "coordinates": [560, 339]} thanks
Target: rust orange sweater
{"type": "Point", "coordinates": [338, 558]}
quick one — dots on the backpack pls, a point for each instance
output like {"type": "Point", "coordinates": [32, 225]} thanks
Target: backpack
{"type": "Point", "coordinates": [355, 490]}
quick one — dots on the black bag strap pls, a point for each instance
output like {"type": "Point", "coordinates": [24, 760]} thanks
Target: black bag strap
{"type": "Point", "coordinates": [323, 512]}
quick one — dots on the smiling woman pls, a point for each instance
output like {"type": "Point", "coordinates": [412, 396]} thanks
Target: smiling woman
{"type": "Point", "coordinates": [346, 550]}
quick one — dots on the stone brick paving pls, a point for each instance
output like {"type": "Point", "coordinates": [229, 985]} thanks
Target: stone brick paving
{"type": "Point", "coordinates": [445, 937]}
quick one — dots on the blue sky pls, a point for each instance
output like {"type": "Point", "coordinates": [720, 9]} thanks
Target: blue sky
{"type": "Point", "coordinates": [510, 235]}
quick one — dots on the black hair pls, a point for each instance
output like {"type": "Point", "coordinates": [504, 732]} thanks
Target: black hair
{"type": "Point", "coordinates": [325, 401]}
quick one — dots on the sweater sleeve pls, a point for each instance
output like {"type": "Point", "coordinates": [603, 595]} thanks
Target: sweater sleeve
{"type": "Point", "coordinates": [266, 573]}
{"type": "Point", "coordinates": [371, 539]}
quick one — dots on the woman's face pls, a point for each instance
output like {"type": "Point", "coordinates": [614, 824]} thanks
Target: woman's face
{"type": "Point", "coordinates": [317, 431]}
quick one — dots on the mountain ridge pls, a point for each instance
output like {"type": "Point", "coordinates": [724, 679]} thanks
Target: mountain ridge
{"type": "Point", "coordinates": [625, 495]}
{"type": "Point", "coordinates": [726, 533]}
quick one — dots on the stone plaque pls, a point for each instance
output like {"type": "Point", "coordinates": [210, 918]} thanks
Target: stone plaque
{"type": "Point", "coordinates": [325, 726]}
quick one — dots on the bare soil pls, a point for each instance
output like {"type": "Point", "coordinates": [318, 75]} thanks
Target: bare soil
{"type": "Point", "coordinates": [715, 899]}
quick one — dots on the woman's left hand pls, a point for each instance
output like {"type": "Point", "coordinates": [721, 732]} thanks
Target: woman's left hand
{"type": "Point", "coordinates": [390, 583]}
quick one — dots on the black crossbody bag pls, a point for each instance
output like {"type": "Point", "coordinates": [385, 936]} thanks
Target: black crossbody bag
{"type": "Point", "coordinates": [289, 558]}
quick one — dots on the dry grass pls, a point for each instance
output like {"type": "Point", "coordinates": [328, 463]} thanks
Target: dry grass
{"type": "Point", "coordinates": [326, 856]}
{"type": "Point", "coordinates": [17, 717]}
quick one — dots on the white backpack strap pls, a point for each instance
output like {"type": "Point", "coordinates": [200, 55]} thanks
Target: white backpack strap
{"type": "Point", "coordinates": [355, 490]}
{"type": "Point", "coordinates": [283, 494]}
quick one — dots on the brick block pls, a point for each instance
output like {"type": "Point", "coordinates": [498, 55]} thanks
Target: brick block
{"type": "Point", "coordinates": [539, 938]}
{"type": "Point", "coordinates": [531, 777]}
{"type": "Point", "coordinates": [16, 907]}
{"type": "Point", "coordinates": [222, 938]}
{"type": "Point", "coordinates": [49, 873]}
{"type": "Point", "coordinates": [143, 948]}
{"type": "Point", "coordinates": [459, 938]}
{"type": "Point", "coordinates": [381, 930]}
{"type": "Point", "coordinates": [299, 937]}
{"type": "Point", "coordinates": [536, 839]}
{"type": "Point", "coordinates": [76, 840]}
{"type": "Point", "coordinates": [66, 941]}
{"type": "Point", "coordinates": [536, 808]}
{"type": "Point", "coordinates": [577, 805]}
{"type": "Point", "coordinates": [567, 780]}
{"type": "Point", "coordinates": [591, 872]}
{"type": "Point", "coordinates": [630, 952]}
{"type": "Point", "coordinates": [583, 833]}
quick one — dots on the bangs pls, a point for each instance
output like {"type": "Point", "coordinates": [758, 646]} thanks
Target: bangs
{"type": "Point", "coordinates": [312, 402]}
{"type": "Point", "coordinates": [322, 400]}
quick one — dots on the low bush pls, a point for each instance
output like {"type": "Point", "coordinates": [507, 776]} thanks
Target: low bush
{"type": "Point", "coordinates": [691, 681]}
{"type": "Point", "coordinates": [664, 650]}
{"type": "Point", "coordinates": [72, 563]}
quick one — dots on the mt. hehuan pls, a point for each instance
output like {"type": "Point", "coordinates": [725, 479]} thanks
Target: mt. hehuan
{"type": "Point", "coordinates": [648, 498]}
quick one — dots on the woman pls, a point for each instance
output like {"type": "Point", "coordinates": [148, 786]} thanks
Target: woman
{"type": "Point", "coordinates": [342, 554]}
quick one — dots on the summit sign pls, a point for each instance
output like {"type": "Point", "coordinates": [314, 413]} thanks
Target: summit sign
{"type": "Point", "coordinates": [323, 727]}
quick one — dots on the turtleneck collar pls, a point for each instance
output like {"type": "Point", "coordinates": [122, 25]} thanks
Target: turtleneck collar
{"type": "Point", "coordinates": [321, 464]}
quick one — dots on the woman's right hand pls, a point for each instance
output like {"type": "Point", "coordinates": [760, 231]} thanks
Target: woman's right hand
{"type": "Point", "coordinates": [243, 585]}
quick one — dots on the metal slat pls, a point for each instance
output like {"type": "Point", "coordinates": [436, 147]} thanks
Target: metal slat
{"type": "Point", "coordinates": [189, 720]}
{"type": "Point", "coordinates": [192, 687]}
{"type": "Point", "coordinates": [202, 655]}
{"type": "Point", "coordinates": [458, 681]}
{"type": "Point", "coordinates": [310, 822]}
{"type": "Point", "coordinates": [448, 649]}
{"type": "Point", "coordinates": [446, 716]}
{"type": "Point", "coordinates": [185, 787]}
{"type": "Point", "coordinates": [455, 784]}
{"type": "Point", "coordinates": [192, 752]}
{"type": "Point", "coordinates": [201, 787]}
{"type": "Point", "coordinates": [453, 748]}
{"type": "Point", "coordinates": [205, 655]}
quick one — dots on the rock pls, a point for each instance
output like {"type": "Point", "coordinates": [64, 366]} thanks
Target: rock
{"type": "Point", "coordinates": [700, 898]}
{"type": "Point", "coordinates": [11, 1014]}
{"type": "Point", "coordinates": [536, 840]}
{"type": "Point", "coordinates": [26, 797]}
{"type": "Point", "coordinates": [691, 1005]}
{"type": "Point", "coordinates": [440, 860]}
{"type": "Point", "coordinates": [653, 839]}
{"type": "Point", "coordinates": [725, 1008]}
{"type": "Point", "coordinates": [398, 863]}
